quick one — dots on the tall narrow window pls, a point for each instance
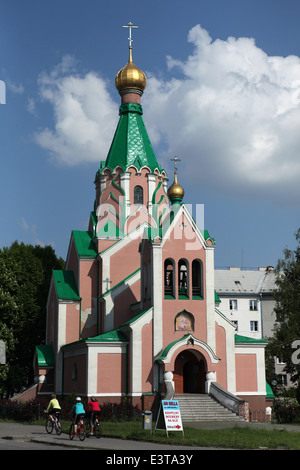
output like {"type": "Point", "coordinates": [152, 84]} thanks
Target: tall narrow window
{"type": "Point", "coordinates": [197, 289]}
{"type": "Point", "coordinates": [183, 280]}
{"type": "Point", "coordinates": [169, 278]}
{"type": "Point", "coordinates": [138, 195]}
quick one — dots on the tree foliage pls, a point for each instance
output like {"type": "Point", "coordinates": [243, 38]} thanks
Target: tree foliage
{"type": "Point", "coordinates": [25, 276]}
{"type": "Point", "coordinates": [285, 343]}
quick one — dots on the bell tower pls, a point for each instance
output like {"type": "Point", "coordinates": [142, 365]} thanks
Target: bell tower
{"type": "Point", "coordinates": [130, 185]}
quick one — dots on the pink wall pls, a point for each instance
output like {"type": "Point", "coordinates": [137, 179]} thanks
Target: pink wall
{"type": "Point", "coordinates": [111, 373]}
{"type": "Point", "coordinates": [221, 367]}
{"type": "Point", "coordinates": [246, 372]}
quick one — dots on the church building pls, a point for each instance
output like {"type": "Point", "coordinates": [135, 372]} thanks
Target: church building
{"type": "Point", "coordinates": [135, 309]}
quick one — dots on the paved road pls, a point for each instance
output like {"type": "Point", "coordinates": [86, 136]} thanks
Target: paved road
{"type": "Point", "coordinates": [37, 434]}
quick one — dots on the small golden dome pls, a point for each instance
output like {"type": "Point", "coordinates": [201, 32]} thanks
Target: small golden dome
{"type": "Point", "coordinates": [175, 191]}
{"type": "Point", "coordinates": [130, 76]}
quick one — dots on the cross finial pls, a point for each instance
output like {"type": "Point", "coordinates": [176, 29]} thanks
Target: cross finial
{"type": "Point", "coordinates": [175, 160]}
{"type": "Point", "coordinates": [130, 26]}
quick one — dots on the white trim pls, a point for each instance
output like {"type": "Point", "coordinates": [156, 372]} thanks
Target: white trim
{"type": "Point", "coordinates": [197, 342]}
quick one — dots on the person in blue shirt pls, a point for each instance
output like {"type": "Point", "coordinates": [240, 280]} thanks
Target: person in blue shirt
{"type": "Point", "coordinates": [77, 411]}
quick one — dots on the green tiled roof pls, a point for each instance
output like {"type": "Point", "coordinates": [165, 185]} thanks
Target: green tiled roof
{"type": "Point", "coordinates": [45, 356]}
{"type": "Point", "coordinates": [84, 244]}
{"type": "Point", "coordinates": [131, 144]}
{"type": "Point", "coordinates": [245, 339]}
{"type": "Point", "coordinates": [65, 284]}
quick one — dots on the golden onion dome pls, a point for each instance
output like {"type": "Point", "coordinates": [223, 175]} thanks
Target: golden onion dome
{"type": "Point", "coordinates": [130, 76]}
{"type": "Point", "coordinates": [175, 191]}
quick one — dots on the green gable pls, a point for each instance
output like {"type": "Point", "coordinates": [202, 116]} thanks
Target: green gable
{"type": "Point", "coordinates": [84, 244]}
{"type": "Point", "coordinates": [65, 284]}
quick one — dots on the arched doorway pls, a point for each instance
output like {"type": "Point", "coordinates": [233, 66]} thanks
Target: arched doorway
{"type": "Point", "coordinates": [189, 372]}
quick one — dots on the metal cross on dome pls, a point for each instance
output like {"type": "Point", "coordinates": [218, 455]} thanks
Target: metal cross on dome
{"type": "Point", "coordinates": [130, 26]}
{"type": "Point", "coordinates": [175, 160]}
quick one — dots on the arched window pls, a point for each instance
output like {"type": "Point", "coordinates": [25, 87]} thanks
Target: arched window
{"type": "Point", "coordinates": [169, 278]}
{"type": "Point", "coordinates": [197, 284]}
{"type": "Point", "coordinates": [183, 278]}
{"type": "Point", "coordinates": [138, 195]}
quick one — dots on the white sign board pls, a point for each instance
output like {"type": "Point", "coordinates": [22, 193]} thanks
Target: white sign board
{"type": "Point", "coordinates": [170, 412]}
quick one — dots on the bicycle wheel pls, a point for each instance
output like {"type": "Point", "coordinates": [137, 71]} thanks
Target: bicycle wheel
{"type": "Point", "coordinates": [58, 428]}
{"type": "Point", "coordinates": [98, 430]}
{"type": "Point", "coordinates": [71, 432]}
{"type": "Point", "coordinates": [81, 431]}
{"type": "Point", "coordinates": [49, 426]}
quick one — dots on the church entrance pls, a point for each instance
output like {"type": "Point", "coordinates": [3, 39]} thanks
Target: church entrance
{"type": "Point", "coordinates": [189, 372]}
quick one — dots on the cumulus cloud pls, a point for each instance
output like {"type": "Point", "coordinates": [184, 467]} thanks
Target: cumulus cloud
{"type": "Point", "coordinates": [230, 112]}
{"type": "Point", "coordinates": [234, 115]}
{"type": "Point", "coordinates": [84, 115]}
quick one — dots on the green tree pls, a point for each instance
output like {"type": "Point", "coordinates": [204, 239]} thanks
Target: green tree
{"type": "Point", "coordinates": [24, 282]}
{"type": "Point", "coordinates": [286, 339]}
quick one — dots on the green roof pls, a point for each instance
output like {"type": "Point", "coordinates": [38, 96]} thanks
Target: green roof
{"type": "Point", "coordinates": [45, 356]}
{"type": "Point", "coordinates": [245, 339]}
{"type": "Point", "coordinates": [110, 230]}
{"type": "Point", "coordinates": [131, 144]}
{"type": "Point", "coordinates": [84, 244]}
{"type": "Point", "coordinates": [65, 284]}
{"type": "Point", "coordinates": [165, 351]}
{"type": "Point", "coordinates": [110, 336]}
{"type": "Point", "coordinates": [269, 391]}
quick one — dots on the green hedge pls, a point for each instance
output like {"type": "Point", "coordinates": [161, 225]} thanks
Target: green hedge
{"type": "Point", "coordinates": [34, 410]}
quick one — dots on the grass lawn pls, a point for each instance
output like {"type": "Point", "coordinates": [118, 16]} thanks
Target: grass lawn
{"type": "Point", "coordinates": [234, 438]}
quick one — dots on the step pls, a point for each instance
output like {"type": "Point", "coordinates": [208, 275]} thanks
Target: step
{"type": "Point", "coordinates": [202, 407]}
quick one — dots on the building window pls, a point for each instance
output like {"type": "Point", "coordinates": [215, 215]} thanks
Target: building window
{"type": "Point", "coordinates": [253, 325]}
{"type": "Point", "coordinates": [282, 379]}
{"type": "Point", "coordinates": [182, 278]}
{"type": "Point", "coordinates": [197, 289]}
{"type": "Point", "coordinates": [138, 195]}
{"type": "Point", "coordinates": [253, 304]}
{"type": "Point", "coordinates": [169, 278]}
{"type": "Point", "coordinates": [233, 304]}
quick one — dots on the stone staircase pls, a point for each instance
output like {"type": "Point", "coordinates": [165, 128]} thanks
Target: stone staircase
{"type": "Point", "coordinates": [202, 407]}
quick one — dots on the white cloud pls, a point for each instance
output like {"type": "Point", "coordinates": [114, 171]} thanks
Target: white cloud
{"type": "Point", "coordinates": [232, 116]}
{"type": "Point", "coordinates": [85, 116]}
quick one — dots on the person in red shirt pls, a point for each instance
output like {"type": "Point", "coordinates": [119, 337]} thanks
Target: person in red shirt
{"type": "Point", "coordinates": [93, 409]}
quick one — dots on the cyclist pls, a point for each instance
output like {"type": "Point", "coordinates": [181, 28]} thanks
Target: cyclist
{"type": "Point", "coordinates": [93, 409]}
{"type": "Point", "coordinates": [77, 411]}
{"type": "Point", "coordinates": [53, 406]}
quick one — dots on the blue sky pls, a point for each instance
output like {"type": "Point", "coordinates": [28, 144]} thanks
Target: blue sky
{"type": "Point", "coordinates": [223, 93]}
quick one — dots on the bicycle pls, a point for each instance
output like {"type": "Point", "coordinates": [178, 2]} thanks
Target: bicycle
{"type": "Point", "coordinates": [53, 422]}
{"type": "Point", "coordinates": [80, 429]}
{"type": "Point", "coordinates": [97, 427]}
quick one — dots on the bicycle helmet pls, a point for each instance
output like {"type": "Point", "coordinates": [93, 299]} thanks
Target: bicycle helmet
{"type": "Point", "coordinates": [78, 399]}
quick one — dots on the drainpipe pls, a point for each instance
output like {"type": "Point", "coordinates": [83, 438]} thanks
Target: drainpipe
{"type": "Point", "coordinates": [80, 318]}
{"type": "Point", "coordinates": [261, 317]}
{"type": "Point", "coordinates": [62, 373]}
{"type": "Point", "coordinates": [97, 296]}
{"type": "Point", "coordinates": [127, 368]}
